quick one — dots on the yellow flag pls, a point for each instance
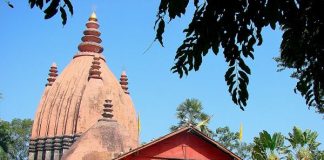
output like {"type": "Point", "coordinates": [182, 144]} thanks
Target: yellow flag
{"type": "Point", "coordinates": [204, 122]}
{"type": "Point", "coordinates": [138, 124]}
{"type": "Point", "coordinates": [241, 133]}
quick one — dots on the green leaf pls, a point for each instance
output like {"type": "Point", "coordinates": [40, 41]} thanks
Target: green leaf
{"type": "Point", "coordinates": [69, 5]}
{"type": "Point", "coordinates": [234, 98]}
{"type": "Point", "coordinates": [32, 3]}
{"type": "Point", "coordinates": [51, 10]}
{"type": "Point", "coordinates": [244, 67]}
{"type": "Point", "coordinates": [244, 76]}
{"type": "Point", "coordinates": [9, 4]}
{"type": "Point", "coordinates": [196, 3]}
{"type": "Point", "coordinates": [229, 72]}
{"type": "Point", "coordinates": [163, 6]}
{"type": "Point", "coordinates": [63, 15]}
{"type": "Point", "coordinates": [198, 61]}
{"type": "Point", "coordinates": [40, 3]}
{"type": "Point", "coordinates": [160, 31]}
{"type": "Point", "coordinates": [215, 48]}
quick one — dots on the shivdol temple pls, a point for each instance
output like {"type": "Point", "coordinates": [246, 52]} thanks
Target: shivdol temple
{"type": "Point", "coordinates": [85, 113]}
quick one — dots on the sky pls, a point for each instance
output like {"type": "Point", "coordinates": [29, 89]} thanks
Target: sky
{"type": "Point", "coordinates": [30, 44]}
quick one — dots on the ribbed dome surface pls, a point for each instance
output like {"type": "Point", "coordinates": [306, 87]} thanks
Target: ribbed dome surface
{"type": "Point", "coordinates": [73, 103]}
{"type": "Point", "coordinates": [103, 141]}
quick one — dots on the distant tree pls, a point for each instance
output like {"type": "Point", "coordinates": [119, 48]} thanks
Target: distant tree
{"type": "Point", "coordinates": [14, 138]}
{"type": "Point", "coordinates": [190, 113]}
{"type": "Point", "coordinates": [231, 141]}
{"type": "Point", "coordinates": [5, 139]}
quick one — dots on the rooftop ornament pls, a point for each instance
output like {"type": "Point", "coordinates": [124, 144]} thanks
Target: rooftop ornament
{"type": "Point", "coordinates": [52, 75]}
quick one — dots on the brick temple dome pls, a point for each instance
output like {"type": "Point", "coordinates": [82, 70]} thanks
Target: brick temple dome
{"type": "Point", "coordinates": [72, 101]}
{"type": "Point", "coordinates": [103, 141]}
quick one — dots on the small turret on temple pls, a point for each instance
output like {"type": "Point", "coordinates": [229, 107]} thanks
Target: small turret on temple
{"type": "Point", "coordinates": [52, 75]}
{"type": "Point", "coordinates": [94, 70]}
{"type": "Point", "coordinates": [124, 82]}
{"type": "Point", "coordinates": [107, 114]}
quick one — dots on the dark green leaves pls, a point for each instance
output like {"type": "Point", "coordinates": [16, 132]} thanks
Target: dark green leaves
{"type": "Point", "coordinates": [237, 80]}
{"type": "Point", "coordinates": [207, 32]}
{"type": "Point", "coordinates": [14, 138]}
{"type": "Point", "coordinates": [174, 8]}
{"type": "Point", "coordinates": [160, 31]}
{"type": "Point", "coordinates": [32, 3]}
{"type": "Point", "coordinates": [69, 5]}
{"type": "Point", "coordinates": [63, 15]}
{"type": "Point", "coordinates": [236, 26]}
{"type": "Point", "coordinates": [9, 4]}
{"type": "Point", "coordinates": [267, 146]}
{"type": "Point", "coordinates": [53, 7]}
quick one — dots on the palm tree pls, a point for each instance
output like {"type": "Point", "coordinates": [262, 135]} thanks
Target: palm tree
{"type": "Point", "coordinates": [304, 144]}
{"type": "Point", "coordinates": [190, 113]}
{"type": "Point", "coordinates": [268, 147]}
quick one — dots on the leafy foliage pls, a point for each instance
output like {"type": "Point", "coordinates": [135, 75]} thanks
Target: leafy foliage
{"type": "Point", "coordinates": [190, 113]}
{"type": "Point", "coordinates": [52, 7]}
{"type": "Point", "coordinates": [5, 139]}
{"type": "Point", "coordinates": [267, 146]}
{"type": "Point", "coordinates": [14, 138]}
{"type": "Point", "coordinates": [301, 145]}
{"type": "Point", "coordinates": [231, 141]}
{"type": "Point", "coordinates": [9, 3]}
{"type": "Point", "coordinates": [236, 27]}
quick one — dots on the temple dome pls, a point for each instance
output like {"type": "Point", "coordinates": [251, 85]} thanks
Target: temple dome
{"type": "Point", "coordinates": [104, 140]}
{"type": "Point", "coordinates": [73, 102]}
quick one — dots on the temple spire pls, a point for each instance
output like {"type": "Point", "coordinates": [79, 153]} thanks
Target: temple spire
{"type": "Point", "coordinates": [94, 70]}
{"type": "Point", "coordinates": [124, 82]}
{"type": "Point", "coordinates": [90, 44]}
{"type": "Point", "coordinates": [107, 111]}
{"type": "Point", "coordinates": [52, 75]}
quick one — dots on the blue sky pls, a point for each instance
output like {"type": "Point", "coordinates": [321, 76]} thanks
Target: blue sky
{"type": "Point", "coordinates": [29, 44]}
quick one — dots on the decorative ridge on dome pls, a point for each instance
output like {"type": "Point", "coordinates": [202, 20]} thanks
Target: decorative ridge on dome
{"type": "Point", "coordinates": [52, 75]}
{"type": "Point", "coordinates": [92, 54]}
{"type": "Point", "coordinates": [91, 37]}
{"type": "Point", "coordinates": [88, 46]}
{"type": "Point", "coordinates": [107, 111]}
{"type": "Point", "coordinates": [124, 82]}
{"type": "Point", "coordinates": [94, 70]}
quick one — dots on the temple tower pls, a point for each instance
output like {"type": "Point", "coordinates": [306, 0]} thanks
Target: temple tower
{"type": "Point", "coordinates": [72, 101]}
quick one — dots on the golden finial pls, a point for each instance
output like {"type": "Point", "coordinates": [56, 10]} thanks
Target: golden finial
{"type": "Point", "coordinates": [54, 64]}
{"type": "Point", "coordinates": [93, 15]}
